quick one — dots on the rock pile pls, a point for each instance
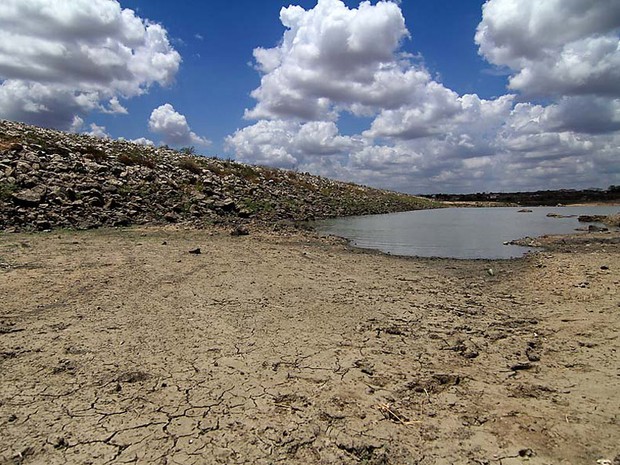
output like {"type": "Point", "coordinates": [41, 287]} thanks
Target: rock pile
{"type": "Point", "coordinates": [50, 179]}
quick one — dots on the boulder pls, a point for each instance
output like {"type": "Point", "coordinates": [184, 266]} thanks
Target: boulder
{"type": "Point", "coordinates": [228, 205]}
{"type": "Point", "coordinates": [30, 197]}
{"type": "Point", "coordinates": [240, 231]}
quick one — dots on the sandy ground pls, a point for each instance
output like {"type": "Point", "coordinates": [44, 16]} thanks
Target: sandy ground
{"type": "Point", "coordinates": [119, 346]}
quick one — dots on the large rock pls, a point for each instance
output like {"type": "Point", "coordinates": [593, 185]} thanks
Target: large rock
{"type": "Point", "coordinates": [228, 205]}
{"type": "Point", "coordinates": [29, 197]}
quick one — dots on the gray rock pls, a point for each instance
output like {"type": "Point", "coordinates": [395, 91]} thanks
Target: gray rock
{"type": "Point", "coordinates": [171, 217]}
{"type": "Point", "coordinates": [240, 231]}
{"type": "Point", "coordinates": [227, 205]}
{"type": "Point", "coordinates": [29, 197]}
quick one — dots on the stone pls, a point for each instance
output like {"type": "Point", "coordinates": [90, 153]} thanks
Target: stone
{"type": "Point", "coordinates": [171, 217]}
{"type": "Point", "coordinates": [240, 231]}
{"type": "Point", "coordinates": [245, 213]}
{"type": "Point", "coordinates": [532, 354]}
{"type": "Point", "coordinates": [227, 205]}
{"type": "Point", "coordinates": [29, 197]}
{"type": "Point", "coordinates": [121, 220]}
{"type": "Point", "coordinates": [43, 225]}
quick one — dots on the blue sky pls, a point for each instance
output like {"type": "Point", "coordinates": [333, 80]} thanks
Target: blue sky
{"type": "Point", "coordinates": [416, 95]}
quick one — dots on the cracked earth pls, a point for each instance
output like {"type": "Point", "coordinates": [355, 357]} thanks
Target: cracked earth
{"type": "Point", "coordinates": [118, 346]}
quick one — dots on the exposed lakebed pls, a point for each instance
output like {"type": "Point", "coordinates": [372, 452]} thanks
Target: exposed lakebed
{"type": "Point", "coordinates": [464, 233]}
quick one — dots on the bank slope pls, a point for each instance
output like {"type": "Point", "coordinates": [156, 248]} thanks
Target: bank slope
{"type": "Point", "coordinates": [51, 179]}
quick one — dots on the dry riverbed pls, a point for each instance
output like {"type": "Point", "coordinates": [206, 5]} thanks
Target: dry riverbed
{"type": "Point", "coordinates": [119, 346]}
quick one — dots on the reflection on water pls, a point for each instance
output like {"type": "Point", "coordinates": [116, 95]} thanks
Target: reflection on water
{"type": "Point", "coordinates": [457, 232]}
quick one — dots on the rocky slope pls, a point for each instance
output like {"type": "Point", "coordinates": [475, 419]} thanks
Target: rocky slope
{"type": "Point", "coordinates": [50, 179]}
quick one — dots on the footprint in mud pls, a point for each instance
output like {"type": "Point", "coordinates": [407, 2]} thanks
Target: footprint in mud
{"type": "Point", "coordinates": [434, 384]}
{"type": "Point", "coordinates": [291, 401]}
{"type": "Point", "coordinates": [533, 351]}
{"type": "Point", "coordinates": [65, 366]}
{"type": "Point", "coordinates": [365, 367]}
{"type": "Point", "coordinates": [531, 391]}
{"type": "Point", "coordinates": [8, 327]}
{"type": "Point", "coordinates": [131, 377]}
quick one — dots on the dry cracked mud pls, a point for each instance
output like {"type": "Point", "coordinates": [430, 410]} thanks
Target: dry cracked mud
{"type": "Point", "coordinates": [119, 346]}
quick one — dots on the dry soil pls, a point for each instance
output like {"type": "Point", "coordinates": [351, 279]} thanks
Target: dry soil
{"type": "Point", "coordinates": [119, 346]}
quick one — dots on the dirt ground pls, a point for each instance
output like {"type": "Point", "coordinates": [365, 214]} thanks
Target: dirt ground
{"type": "Point", "coordinates": [119, 346]}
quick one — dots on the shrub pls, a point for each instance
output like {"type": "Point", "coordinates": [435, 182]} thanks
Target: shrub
{"type": "Point", "coordinates": [188, 150]}
{"type": "Point", "coordinates": [131, 158]}
{"type": "Point", "coordinates": [6, 189]}
{"type": "Point", "coordinates": [247, 172]}
{"type": "Point", "coordinates": [191, 165]}
{"type": "Point", "coordinates": [257, 206]}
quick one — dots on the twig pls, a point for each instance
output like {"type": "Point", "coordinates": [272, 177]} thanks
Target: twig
{"type": "Point", "coordinates": [393, 414]}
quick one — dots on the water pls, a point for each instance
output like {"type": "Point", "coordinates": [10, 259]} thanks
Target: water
{"type": "Point", "coordinates": [457, 232]}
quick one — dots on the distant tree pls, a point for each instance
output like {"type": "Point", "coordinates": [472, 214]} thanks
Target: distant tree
{"type": "Point", "coordinates": [188, 150]}
{"type": "Point", "coordinates": [613, 188]}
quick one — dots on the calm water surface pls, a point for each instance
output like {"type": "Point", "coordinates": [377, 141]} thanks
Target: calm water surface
{"type": "Point", "coordinates": [457, 232]}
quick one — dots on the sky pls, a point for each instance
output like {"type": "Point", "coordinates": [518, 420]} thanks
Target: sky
{"type": "Point", "coordinates": [419, 96]}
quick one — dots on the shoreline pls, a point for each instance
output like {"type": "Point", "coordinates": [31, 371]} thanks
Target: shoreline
{"type": "Point", "coordinates": [536, 244]}
{"type": "Point", "coordinates": [120, 345]}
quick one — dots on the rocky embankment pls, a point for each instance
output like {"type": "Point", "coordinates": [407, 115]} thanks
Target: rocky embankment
{"type": "Point", "coordinates": [50, 179]}
{"type": "Point", "coordinates": [609, 220]}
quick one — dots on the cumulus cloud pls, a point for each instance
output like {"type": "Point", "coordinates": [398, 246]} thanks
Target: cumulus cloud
{"type": "Point", "coordinates": [115, 107]}
{"type": "Point", "coordinates": [441, 112]}
{"type": "Point", "coordinates": [319, 70]}
{"type": "Point", "coordinates": [555, 47]}
{"type": "Point", "coordinates": [76, 124]}
{"type": "Point", "coordinates": [173, 128]}
{"type": "Point", "coordinates": [289, 144]}
{"type": "Point", "coordinates": [59, 60]}
{"type": "Point", "coordinates": [98, 131]}
{"type": "Point", "coordinates": [424, 137]}
{"type": "Point", "coordinates": [143, 141]}
{"type": "Point", "coordinates": [333, 56]}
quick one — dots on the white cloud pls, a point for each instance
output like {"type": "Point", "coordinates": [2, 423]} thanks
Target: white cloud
{"type": "Point", "coordinates": [76, 124]}
{"type": "Point", "coordinates": [143, 141]}
{"type": "Point", "coordinates": [421, 129]}
{"type": "Point", "coordinates": [98, 131]}
{"type": "Point", "coordinates": [440, 112]}
{"type": "Point", "coordinates": [173, 127]}
{"type": "Point", "coordinates": [555, 47]}
{"type": "Point", "coordinates": [59, 60]}
{"type": "Point", "coordinates": [288, 144]}
{"type": "Point", "coordinates": [115, 107]}
{"type": "Point", "coordinates": [423, 136]}
{"type": "Point", "coordinates": [332, 56]}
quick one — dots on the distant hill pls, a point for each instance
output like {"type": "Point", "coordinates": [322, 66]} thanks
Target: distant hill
{"type": "Point", "coordinates": [51, 179]}
{"type": "Point", "coordinates": [542, 198]}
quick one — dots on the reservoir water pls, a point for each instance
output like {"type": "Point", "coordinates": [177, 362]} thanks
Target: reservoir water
{"type": "Point", "coordinates": [458, 232]}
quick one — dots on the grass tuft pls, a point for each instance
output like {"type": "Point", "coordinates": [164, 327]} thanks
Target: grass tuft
{"type": "Point", "coordinates": [132, 158]}
{"type": "Point", "coordinates": [190, 164]}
